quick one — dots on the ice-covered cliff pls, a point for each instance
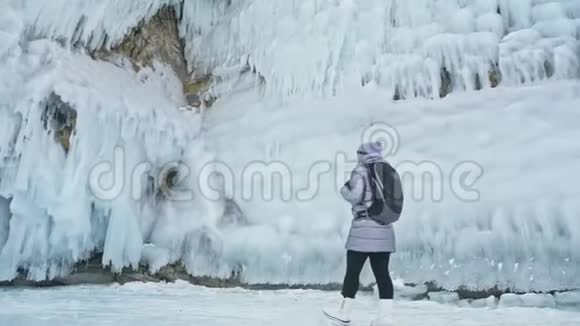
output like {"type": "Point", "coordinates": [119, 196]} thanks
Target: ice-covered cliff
{"type": "Point", "coordinates": [412, 48]}
{"type": "Point", "coordinates": [298, 83]}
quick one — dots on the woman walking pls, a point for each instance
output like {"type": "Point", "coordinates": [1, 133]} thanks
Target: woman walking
{"type": "Point", "coordinates": [371, 236]}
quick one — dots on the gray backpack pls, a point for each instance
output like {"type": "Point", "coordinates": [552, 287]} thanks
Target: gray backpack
{"type": "Point", "coordinates": [387, 193]}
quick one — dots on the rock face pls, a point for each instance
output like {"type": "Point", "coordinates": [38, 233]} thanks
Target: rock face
{"type": "Point", "coordinates": [59, 118]}
{"type": "Point", "coordinates": [92, 272]}
{"type": "Point", "coordinates": [446, 82]}
{"type": "Point", "coordinates": [157, 40]}
{"type": "Point", "coordinates": [154, 40]}
{"type": "Point", "coordinates": [197, 91]}
{"type": "Point", "coordinates": [494, 75]}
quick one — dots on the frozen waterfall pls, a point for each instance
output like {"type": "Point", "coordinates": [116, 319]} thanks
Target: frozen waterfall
{"type": "Point", "coordinates": [325, 47]}
{"type": "Point", "coordinates": [297, 83]}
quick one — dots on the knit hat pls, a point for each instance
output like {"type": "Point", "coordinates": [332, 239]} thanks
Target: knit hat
{"type": "Point", "coordinates": [370, 148]}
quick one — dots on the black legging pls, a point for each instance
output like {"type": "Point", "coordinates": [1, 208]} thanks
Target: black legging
{"type": "Point", "coordinates": [379, 263]}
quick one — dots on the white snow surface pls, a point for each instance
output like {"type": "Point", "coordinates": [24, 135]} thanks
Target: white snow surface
{"type": "Point", "coordinates": [520, 232]}
{"type": "Point", "coordinates": [183, 304]}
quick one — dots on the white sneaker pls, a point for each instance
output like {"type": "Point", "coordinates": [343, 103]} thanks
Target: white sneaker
{"type": "Point", "coordinates": [342, 314]}
{"type": "Point", "coordinates": [385, 314]}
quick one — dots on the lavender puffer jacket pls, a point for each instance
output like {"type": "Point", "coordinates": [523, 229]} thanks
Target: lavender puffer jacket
{"type": "Point", "coordinates": [365, 234]}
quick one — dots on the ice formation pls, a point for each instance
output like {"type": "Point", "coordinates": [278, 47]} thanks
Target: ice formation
{"type": "Point", "coordinates": [124, 123]}
{"type": "Point", "coordinates": [320, 72]}
{"type": "Point", "coordinates": [324, 47]}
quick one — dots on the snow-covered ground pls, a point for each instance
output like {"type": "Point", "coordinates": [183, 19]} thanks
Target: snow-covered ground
{"type": "Point", "coordinates": [184, 304]}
